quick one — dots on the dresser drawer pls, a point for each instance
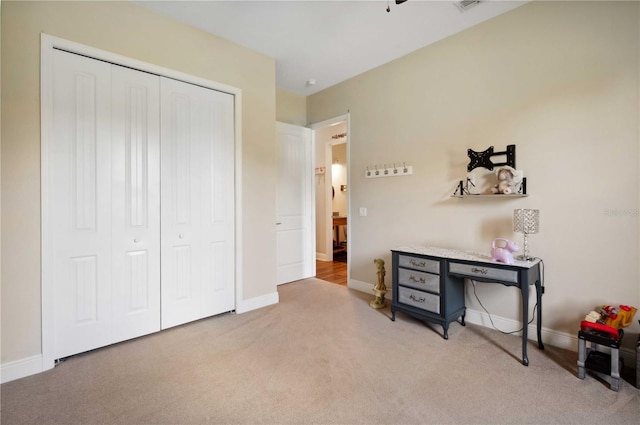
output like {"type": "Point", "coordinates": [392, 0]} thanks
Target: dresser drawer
{"type": "Point", "coordinates": [417, 263]}
{"type": "Point", "coordinates": [421, 300]}
{"type": "Point", "coordinates": [473, 271]}
{"type": "Point", "coordinates": [419, 280]}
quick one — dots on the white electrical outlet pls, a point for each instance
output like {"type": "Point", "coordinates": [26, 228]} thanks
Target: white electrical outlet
{"type": "Point", "coordinates": [363, 212]}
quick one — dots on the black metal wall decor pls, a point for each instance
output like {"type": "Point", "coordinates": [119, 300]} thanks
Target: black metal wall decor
{"type": "Point", "coordinates": [483, 159]}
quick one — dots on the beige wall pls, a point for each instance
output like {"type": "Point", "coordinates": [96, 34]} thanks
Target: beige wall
{"type": "Point", "coordinates": [291, 108]}
{"type": "Point", "coordinates": [126, 29]}
{"type": "Point", "coordinates": [560, 80]}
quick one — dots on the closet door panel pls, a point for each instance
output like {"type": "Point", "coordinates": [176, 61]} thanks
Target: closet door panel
{"type": "Point", "coordinates": [104, 203]}
{"type": "Point", "coordinates": [197, 202]}
{"type": "Point", "coordinates": [135, 202]}
{"type": "Point", "coordinates": [181, 283]}
{"type": "Point", "coordinates": [79, 203]}
{"type": "Point", "coordinates": [218, 202]}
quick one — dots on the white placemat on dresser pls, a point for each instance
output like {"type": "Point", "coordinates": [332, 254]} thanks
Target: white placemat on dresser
{"type": "Point", "coordinates": [457, 254]}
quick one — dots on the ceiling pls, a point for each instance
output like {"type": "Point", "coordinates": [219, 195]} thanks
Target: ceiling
{"type": "Point", "coordinates": [317, 44]}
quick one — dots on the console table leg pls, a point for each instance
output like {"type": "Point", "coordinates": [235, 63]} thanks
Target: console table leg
{"type": "Point", "coordinates": [446, 330]}
{"type": "Point", "coordinates": [524, 287]}
{"type": "Point", "coordinates": [393, 315]}
{"type": "Point", "coordinates": [462, 321]}
{"type": "Point", "coordinates": [539, 313]}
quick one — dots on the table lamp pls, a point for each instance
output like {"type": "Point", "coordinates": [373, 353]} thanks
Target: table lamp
{"type": "Point", "coordinates": [527, 222]}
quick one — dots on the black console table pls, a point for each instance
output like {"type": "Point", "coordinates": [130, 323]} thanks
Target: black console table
{"type": "Point", "coordinates": [428, 283]}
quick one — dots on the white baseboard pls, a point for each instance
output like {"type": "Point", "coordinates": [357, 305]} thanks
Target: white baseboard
{"type": "Point", "coordinates": [21, 368]}
{"type": "Point", "coordinates": [361, 286]}
{"type": "Point", "coordinates": [481, 318]}
{"type": "Point", "coordinates": [257, 302]}
{"type": "Point", "coordinates": [322, 257]}
{"type": "Point", "coordinates": [549, 336]}
{"type": "Point", "coordinates": [32, 365]}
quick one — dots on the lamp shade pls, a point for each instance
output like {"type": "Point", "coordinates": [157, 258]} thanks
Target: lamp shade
{"type": "Point", "coordinates": [526, 221]}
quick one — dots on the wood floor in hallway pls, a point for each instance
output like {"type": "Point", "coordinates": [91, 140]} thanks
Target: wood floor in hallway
{"type": "Point", "coordinates": [332, 271]}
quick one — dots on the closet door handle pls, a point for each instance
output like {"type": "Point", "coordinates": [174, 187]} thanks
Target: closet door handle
{"type": "Point", "coordinates": [278, 224]}
{"type": "Point", "coordinates": [136, 240]}
{"type": "Point", "coordinates": [180, 236]}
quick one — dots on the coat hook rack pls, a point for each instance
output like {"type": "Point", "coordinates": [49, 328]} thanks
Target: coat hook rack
{"type": "Point", "coordinates": [394, 170]}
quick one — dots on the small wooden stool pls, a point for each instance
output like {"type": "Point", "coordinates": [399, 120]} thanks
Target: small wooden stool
{"type": "Point", "coordinates": [609, 364]}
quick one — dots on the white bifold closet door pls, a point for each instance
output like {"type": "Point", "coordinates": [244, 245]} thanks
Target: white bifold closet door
{"type": "Point", "coordinates": [140, 203]}
{"type": "Point", "coordinates": [197, 202]}
{"type": "Point", "coordinates": [104, 203]}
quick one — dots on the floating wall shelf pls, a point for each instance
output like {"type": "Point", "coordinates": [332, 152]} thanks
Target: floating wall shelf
{"type": "Point", "coordinates": [462, 191]}
{"type": "Point", "coordinates": [491, 195]}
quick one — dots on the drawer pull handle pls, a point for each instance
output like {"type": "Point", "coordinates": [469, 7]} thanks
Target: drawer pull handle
{"type": "Point", "coordinates": [417, 263]}
{"type": "Point", "coordinates": [416, 299]}
{"type": "Point", "coordinates": [417, 280]}
{"type": "Point", "coordinates": [481, 271]}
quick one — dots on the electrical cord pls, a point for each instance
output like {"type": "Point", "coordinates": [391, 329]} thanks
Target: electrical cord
{"type": "Point", "coordinates": [535, 307]}
{"type": "Point", "coordinates": [473, 282]}
{"type": "Point", "coordinates": [541, 273]}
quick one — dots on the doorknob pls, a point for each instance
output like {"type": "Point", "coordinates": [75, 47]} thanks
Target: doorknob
{"type": "Point", "coordinates": [136, 240]}
{"type": "Point", "coordinates": [277, 224]}
{"type": "Point", "coordinates": [181, 236]}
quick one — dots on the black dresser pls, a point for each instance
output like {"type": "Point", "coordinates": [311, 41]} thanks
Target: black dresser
{"type": "Point", "coordinates": [423, 289]}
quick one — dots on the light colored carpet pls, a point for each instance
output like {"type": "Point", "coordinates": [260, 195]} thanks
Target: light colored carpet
{"type": "Point", "coordinates": [321, 356]}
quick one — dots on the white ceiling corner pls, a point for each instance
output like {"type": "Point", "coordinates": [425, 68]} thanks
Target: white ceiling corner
{"type": "Point", "coordinates": [328, 41]}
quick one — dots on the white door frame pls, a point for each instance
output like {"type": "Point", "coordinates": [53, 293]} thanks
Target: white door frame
{"type": "Point", "coordinates": [328, 176]}
{"type": "Point", "coordinates": [47, 45]}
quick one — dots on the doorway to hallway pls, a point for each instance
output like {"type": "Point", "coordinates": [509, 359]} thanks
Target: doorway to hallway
{"type": "Point", "coordinates": [332, 271]}
{"type": "Point", "coordinates": [339, 209]}
{"type": "Point", "coordinates": [332, 199]}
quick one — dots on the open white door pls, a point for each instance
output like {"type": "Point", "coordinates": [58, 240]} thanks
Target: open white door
{"type": "Point", "coordinates": [295, 226]}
